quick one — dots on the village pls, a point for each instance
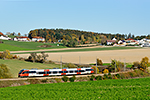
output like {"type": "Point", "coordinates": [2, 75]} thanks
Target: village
{"type": "Point", "coordinates": [114, 42]}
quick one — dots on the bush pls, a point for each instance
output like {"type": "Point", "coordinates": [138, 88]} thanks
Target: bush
{"type": "Point", "coordinates": [92, 77]}
{"type": "Point", "coordinates": [144, 63]}
{"type": "Point", "coordinates": [122, 76]}
{"type": "Point", "coordinates": [99, 78]}
{"type": "Point", "coordinates": [118, 65]}
{"type": "Point", "coordinates": [133, 74]}
{"type": "Point", "coordinates": [109, 76]}
{"type": "Point", "coordinates": [71, 79]}
{"type": "Point", "coordinates": [105, 76]}
{"type": "Point", "coordinates": [65, 78]}
{"type": "Point", "coordinates": [105, 71]}
{"type": "Point", "coordinates": [118, 75]}
{"type": "Point", "coordinates": [135, 65]}
{"type": "Point", "coordinates": [115, 77]}
{"type": "Point", "coordinates": [6, 54]}
{"type": "Point", "coordinates": [126, 75]}
{"type": "Point", "coordinates": [70, 65]}
{"type": "Point", "coordinates": [15, 57]}
{"type": "Point", "coordinates": [99, 62]}
{"type": "Point", "coordinates": [1, 55]}
{"type": "Point", "coordinates": [94, 68]}
{"type": "Point", "coordinates": [58, 80]}
{"type": "Point", "coordinates": [4, 71]}
{"type": "Point", "coordinates": [34, 81]}
{"type": "Point", "coordinates": [44, 80]}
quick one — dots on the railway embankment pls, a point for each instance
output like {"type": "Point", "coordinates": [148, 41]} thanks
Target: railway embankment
{"type": "Point", "coordinates": [10, 82]}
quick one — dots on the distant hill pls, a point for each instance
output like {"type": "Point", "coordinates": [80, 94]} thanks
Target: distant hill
{"type": "Point", "coordinates": [53, 35]}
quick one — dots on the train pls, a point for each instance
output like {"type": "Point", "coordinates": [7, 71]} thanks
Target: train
{"type": "Point", "coordinates": [54, 72]}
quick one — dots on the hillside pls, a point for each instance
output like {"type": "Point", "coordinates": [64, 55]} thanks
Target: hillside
{"type": "Point", "coordinates": [76, 36]}
{"type": "Point", "coordinates": [16, 65]}
{"type": "Point", "coordinates": [20, 45]}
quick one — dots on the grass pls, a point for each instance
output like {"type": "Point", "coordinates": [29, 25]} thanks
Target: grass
{"type": "Point", "coordinates": [126, 89]}
{"type": "Point", "coordinates": [85, 49]}
{"type": "Point", "coordinates": [20, 45]}
{"type": "Point", "coordinates": [16, 65]}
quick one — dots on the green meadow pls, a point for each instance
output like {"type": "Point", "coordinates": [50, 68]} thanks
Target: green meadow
{"type": "Point", "coordinates": [20, 45]}
{"type": "Point", "coordinates": [120, 89]}
{"type": "Point", "coordinates": [84, 49]}
{"type": "Point", "coordinates": [16, 65]}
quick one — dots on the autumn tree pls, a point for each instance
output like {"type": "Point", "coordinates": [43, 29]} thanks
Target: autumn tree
{"type": "Point", "coordinates": [44, 56]}
{"type": "Point", "coordinates": [4, 71]}
{"type": "Point", "coordinates": [144, 63]}
{"type": "Point", "coordinates": [19, 34]}
{"type": "Point", "coordinates": [34, 56]}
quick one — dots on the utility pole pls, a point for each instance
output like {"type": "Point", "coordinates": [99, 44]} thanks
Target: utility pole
{"type": "Point", "coordinates": [79, 60]}
{"type": "Point", "coordinates": [96, 65]}
{"type": "Point", "coordinates": [115, 65]}
{"type": "Point", "coordinates": [124, 64]}
{"type": "Point", "coordinates": [61, 62]}
{"type": "Point", "coordinates": [110, 61]}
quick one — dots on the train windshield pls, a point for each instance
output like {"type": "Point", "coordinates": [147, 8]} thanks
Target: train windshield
{"type": "Point", "coordinates": [21, 71]}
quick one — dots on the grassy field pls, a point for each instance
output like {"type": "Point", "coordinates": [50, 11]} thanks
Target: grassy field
{"type": "Point", "coordinates": [19, 45]}
{"type": "Point", "coordinates": [126, 89]}
{"type": "Point", "coordinates": [85, 49]}
{"type": "Point", "coordinates": [16, 65]}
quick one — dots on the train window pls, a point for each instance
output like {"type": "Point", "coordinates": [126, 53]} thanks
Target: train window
{"type": "Point", "coordinates": [54, 72]}
{"type": "Point", "coordinates": [21, 71]}
{"type": "Point", "coordinates": [41, 72]}
{"type": "Point", "coordinates": [26, 72]}
{"type": "Point", "coordinates": [60, 71]}
{"type": "Point", "coordinates": [65, 71]}
{"type": "Point", "coordinates": [76, 71]}
{"type": "Point", "coordinates": [48, 72]}
{"type": "Point", "coordinates": [89, 69]}
{"type": "Point", "coordinates": [32, 71]}
{"type": "Point", "coordinates": [81, 70]}
{"type": "Point", "coordinates": [71, 71]}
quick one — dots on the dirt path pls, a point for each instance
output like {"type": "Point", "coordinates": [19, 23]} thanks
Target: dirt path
{"type": "Point", "coordinates": [86, 57]}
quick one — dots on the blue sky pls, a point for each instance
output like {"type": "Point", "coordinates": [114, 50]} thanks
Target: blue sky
{"type": "Point", "coordinates": [102, 16]}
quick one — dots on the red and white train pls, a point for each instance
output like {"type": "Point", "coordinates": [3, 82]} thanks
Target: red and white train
{"type": "Point", "coordinates": [53, 72]}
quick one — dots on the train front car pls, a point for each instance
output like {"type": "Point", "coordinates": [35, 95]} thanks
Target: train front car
{"type": "Point", "coordinates": [89, 70]}
{"type": "Point", "coordinates": [23, 73]}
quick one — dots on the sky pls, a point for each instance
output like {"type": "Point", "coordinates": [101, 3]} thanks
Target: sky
{"type": "Point", "coordinates": [102, 16]}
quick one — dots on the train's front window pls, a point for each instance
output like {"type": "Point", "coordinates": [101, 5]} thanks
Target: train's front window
{"type": "Point", "coordinates": [21, 71]}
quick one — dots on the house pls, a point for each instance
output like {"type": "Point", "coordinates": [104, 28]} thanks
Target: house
{"type": "Point", "coordinates": [110, 42]}
{"type": "Point", "coordinates": [1, 34]}
{"type": "Point", "coordinates": [22, 38]}
{"type": "Point", "coordinates": [38, 39]}
{"type": "Point", "coordinates": [129, 40]}
{"type": "Point", "coordinates": [132, 41]}
{"type": "Point", "coordinates": [121, 42]}
{"type": "Point", "coordinates": [4, 37]}
{"type": "Point", "coordinates": [114, 39]}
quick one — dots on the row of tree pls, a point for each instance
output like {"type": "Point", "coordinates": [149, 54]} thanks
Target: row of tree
{"type": "Point", "coordinates": [78, 37]}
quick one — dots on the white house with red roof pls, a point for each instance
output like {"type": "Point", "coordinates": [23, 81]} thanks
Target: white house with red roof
{"type": "Point", "coordinates": [4, 37]}
{"type": "Point", "coordinates": [21, 38]}
{"type": "Point", "coordinates": [38, 39]}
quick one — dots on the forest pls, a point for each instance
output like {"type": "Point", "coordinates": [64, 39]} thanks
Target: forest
{"type": "Point", "coordinates": [71, 38]}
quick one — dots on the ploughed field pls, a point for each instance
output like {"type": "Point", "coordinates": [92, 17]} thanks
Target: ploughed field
{"type": "Point", "coordinates": [90, 90]}
{"type": "Point", "coordinates": [86, 57]}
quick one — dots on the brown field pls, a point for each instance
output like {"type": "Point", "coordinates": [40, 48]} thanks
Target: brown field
{"type": "Point", "coordinates": [87, 57]}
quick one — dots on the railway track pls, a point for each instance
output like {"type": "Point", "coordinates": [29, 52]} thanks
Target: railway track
{"type": "Point", "coordinates": [16, 79]}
